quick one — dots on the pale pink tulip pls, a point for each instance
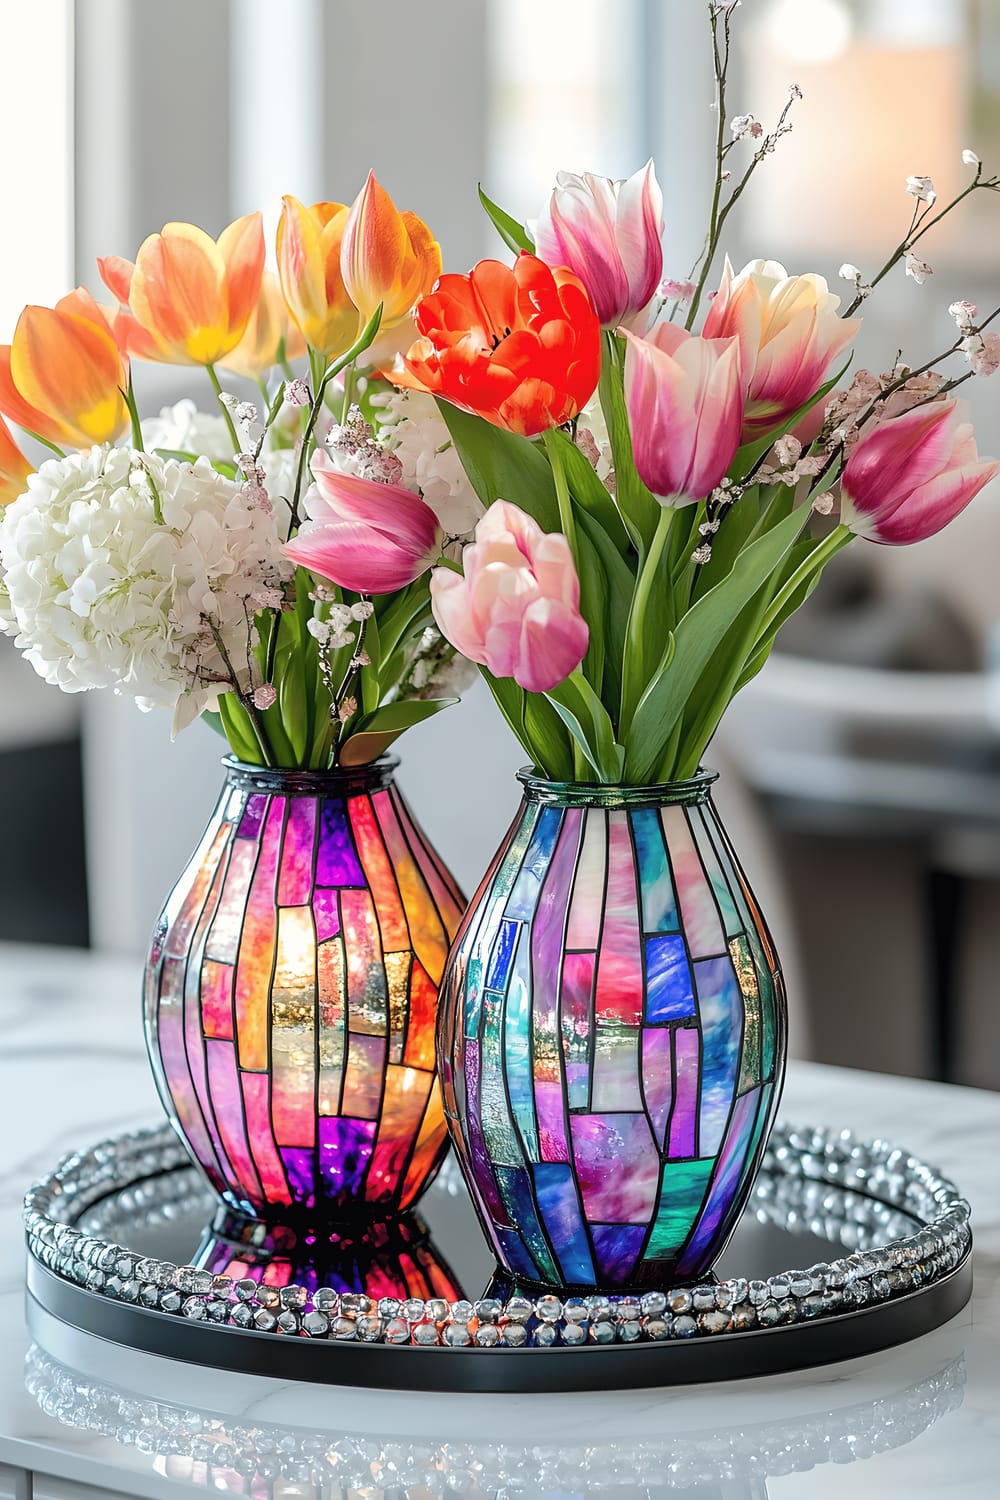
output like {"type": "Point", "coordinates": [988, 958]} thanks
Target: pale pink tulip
{"type": "Point", "coordinates": [609, 234]}
{"type": "Point", "coordinates": [516, 608]}
{"type": "Point", "coordinates": [365, 536]}
{"type": "Point", "coordinates": [910, 475]}
{"type": "Point", "coordinates": [685, 398]}
{"type": "Point", "coordinates": [790, 335]}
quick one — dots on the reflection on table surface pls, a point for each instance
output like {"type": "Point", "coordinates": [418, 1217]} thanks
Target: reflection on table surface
{"type": "Point", "coordinates": [245, 1454]}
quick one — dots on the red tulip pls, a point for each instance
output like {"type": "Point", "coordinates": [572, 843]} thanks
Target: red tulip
{"type": "Point", "coordinates": [520, 347]}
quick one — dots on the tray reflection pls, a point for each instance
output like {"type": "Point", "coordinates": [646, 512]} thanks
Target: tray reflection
{"type": "Point", "coordinates": [439, 1250]}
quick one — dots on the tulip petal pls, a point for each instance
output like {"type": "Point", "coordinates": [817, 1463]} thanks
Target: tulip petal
{"type": "Point", "coordinates": [241, 246]}
{"type": "Point", "coordinates": [116, 273]}
{"type": "Point", "coordinates": [347, 554]}
{"type": "Point", "coordinates": [14, 467]}
{"type": "Point", "coordinates": [451, 609]}
{"type": "Point", "coordinates": [17, 410]}
{"type": "Point", "coordinates": [71, 366]}
{"type": "Point", "coordinates": [373, 249]}
{"type": "Point", "coordinates": [389, 509]}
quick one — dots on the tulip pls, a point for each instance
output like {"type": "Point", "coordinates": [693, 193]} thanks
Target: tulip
{"type": "Point", "coordinates": [188, 298]}
{"type": "Point", "coordinates": [308, 246]}
{"type": "Point", "coordinates": [63, 373]}
{"type": "Point", "coordinates": [520, 347]}
{"type": "Point", "coordinates": [516, 608]}
{"type": "Point", "coordinates": [790, 335]}
{"type": "Point", "coordinates": [386, 257]}
{"type": "Point", "coordinates": [269, 334]}
{"type": "Point", "coordinates": [365, 536]}
{"type": "Point", "coordinates": [908, 476]}
{"type": "Point", "coordinates": [14, 467]}
{"type": "Point", "coordinates": [685, 398]}
{"type": "Point", "coordinates": [609, 234]}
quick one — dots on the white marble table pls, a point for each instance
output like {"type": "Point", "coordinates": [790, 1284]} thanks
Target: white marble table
{"type": "Point", "coordinates": [919, 1421]}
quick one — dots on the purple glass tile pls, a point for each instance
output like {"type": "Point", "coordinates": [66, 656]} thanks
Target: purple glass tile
{"type": "Point", "coordinates": [724, 1185]}
{"type": "Point", "coordinates": [327, 914]}
{"type": "Point", "coordinates": [657, 1079]}
{"type": "Point", "coordinates": [252, 820]}
{"type": "Point", "coordinates": [618, 1167]}
{"type": "Point", "coordinates": [336, 859]}
{"type": "Point", "coordinates": [345, 1148]}
{"type": "Point", "coordinates": [550, 1108]}
{"type": "Point", "coordinates": [720, 1010]}
{"type": "Point", "coordinates": [617, 1248]}
{"type": "Point", "coordinates": [684, 1121]}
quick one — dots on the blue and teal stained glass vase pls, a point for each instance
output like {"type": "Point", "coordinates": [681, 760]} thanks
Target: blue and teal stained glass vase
{"type": "Point", "coordinates": [611, 1037]}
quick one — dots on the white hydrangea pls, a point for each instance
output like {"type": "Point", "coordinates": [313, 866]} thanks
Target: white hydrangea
{"type": "Point", "coordinates": [412, 428]}
{"type": "Point", "coordinates": [184, 429]}
{"type": "Point", "coordinates": [100, 593]}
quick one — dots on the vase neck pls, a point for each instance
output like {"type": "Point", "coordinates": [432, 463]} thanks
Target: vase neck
{"type": "Point", "coordinates": [342, 781]}
{"type": "Point", "coordinates": [696, 789]}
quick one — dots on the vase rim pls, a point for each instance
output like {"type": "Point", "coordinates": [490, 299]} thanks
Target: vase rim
{"type": "Point", "coordinates": [373, 776]}
{"type": "Point", "coordinates": [691, 789]}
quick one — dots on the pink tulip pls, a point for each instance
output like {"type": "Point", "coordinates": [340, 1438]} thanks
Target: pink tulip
{"type": "Point", "coordinates": [909, 476]}
{"type": "Point", "coordinates": [365, 536]}
{"type": "Point", "coordinates": [609, 234]}
{"type": "Point", "coordinates": [516, 609]}
{"type": "Point", "coordinates": [790, 335]}
{"type": "Point", "coordinates": [685, 398]}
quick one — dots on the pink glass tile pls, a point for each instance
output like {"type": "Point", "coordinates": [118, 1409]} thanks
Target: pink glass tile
{"type": "Point", "coordinates": [657, 1079]}
{"type": "Point", "coordinates": [296, 879]}
{"type": "Point", "coordinates": [205, 864]}
{"type": "Point", "coordinates": [256, 955]}
{"type": "Point", "coordinates": [619, 965]}
{"type": "Point", "coordinates": [227, 925]}
{"type": "Point", "coordinates": [428, 938]}
{"type": "Point", "coordinates": [366, 982]}
{"type": "Point", "coordinates": [584, 927]}
{"type": "Point", "coordinates": [256, 1097]}
{"type": "Point", "coordinates": [699, 913]}
{"type": "Point", "coordinates": [550, 1109]}
{"type": "Point", "coordinates": [326, 912]}
{"type": "Point", "coordinates": [217, 999]}
{"type": "Point", "coordinates": [378, 873]}
{"type": "Point", "coordinates": [449, 901]}
{"type": "Point", "coordinates": [363, 1077]}
{"type": "Point", "coordinates": [683, 1125]}
{"type": "Point", "coordinates": [224, 1082]}
{"type": "Point", "coordinates": [618, 1167]}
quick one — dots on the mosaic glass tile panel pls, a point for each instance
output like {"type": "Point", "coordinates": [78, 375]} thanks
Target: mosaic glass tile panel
{"type": "Point", "coordinates": [292, 993]}
{"type": "Point", "coordinates": [612, 1038]}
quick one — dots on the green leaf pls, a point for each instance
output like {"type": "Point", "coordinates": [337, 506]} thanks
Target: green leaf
{"type": "Point", "coordinates": [646, 726]}
{"type": "Point", "coordinates": [586, 718]}
{"type": "Point", "coordinates": [698, 635]}
{"type": "Point", "coordinates": [513, 234]}
{"type": "Point", "coordinates": [590, 494]}
{"type": "Point", "coordinates": [238, 729]}
{"type": "Point", "coordinates": [375, 732]}
{"type": "Point", "coordinates": [371, 692]}
{"type": "Point", "coordinates": [536, 726]}
{"type": "Point", "coordinates": [213, 719]}
{"type": "Point", "coordinates": [503, 465]}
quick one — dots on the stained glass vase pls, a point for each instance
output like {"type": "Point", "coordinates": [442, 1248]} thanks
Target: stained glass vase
{"type": "Point", "coordinates": [612, 1037]}
{"type": "Point", "coordinates": [291, 994]}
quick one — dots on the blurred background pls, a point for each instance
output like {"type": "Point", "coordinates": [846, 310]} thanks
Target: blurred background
{"type": "Point", "coordinates": [862, 770]}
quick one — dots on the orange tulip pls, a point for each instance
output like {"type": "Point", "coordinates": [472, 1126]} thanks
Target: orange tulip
{"type": "Point", "coordinates": [308, 249]}
{"type": "Point", "coordinates": [14, 467]}
{"type": "Point", "coordinates": [386, 256]}
{"type": "Point", "coordinates": [520, 347]}
{"type": "Point", "coordinates": [188, 298]}
{"type": "Point", "coordinates": [63, 374]}
{"type": "Point", "coordinates": [269, 333]}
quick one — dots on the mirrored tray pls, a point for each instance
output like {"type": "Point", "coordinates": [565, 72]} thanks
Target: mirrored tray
{"type": "Point", "coordinates": [126, 1242]}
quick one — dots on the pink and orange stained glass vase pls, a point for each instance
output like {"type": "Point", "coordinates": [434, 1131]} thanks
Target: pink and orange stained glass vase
{"type": "Point", "coordinates": [291, 995]}
{"type": "Point", "coordinates": [612, 1038]}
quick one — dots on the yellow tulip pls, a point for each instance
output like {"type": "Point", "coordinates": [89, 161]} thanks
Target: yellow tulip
{"type": "Point", "coordinates": [386, 256]}
{"type": "Point", "coordinates": [308, 249]}
{"type": "Point", "coordinates": [63, 373]}
{"type": "Point", "coordinates": [14, 467]}
{"type": "Point", "coordinates": [269, 332]}
{"type": "Point", "coordinates": [189, 298]}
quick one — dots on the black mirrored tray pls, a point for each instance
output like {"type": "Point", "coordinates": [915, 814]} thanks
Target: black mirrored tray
{"type": "Point", "coordinates": [127, 1243]}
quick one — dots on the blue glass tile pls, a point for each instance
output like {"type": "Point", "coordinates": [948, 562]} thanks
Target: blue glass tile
{"type": "Point", "coordinates": [517, 1049]}
{"type": "Point", "coordinates": [515, 1254]}
{"type": "Point", "coordinates": [515, 1189]}
{"type": "Point", "coordinates": [617, 1247]}
{"type": "Point", "coordinates": [559, 1206]}
{"type": "Point", "coordinates": [528, 885]}
{"type": "Point", "coordinates": [669, 991]}
{"type": "Point", "coordinates": [659, 904]}
{"type": "Point", "coordinates": [503, 954]}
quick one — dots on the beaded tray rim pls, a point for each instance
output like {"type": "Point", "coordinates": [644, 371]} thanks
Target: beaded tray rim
{"type": "Point", "coordinates": [855, 1304]}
